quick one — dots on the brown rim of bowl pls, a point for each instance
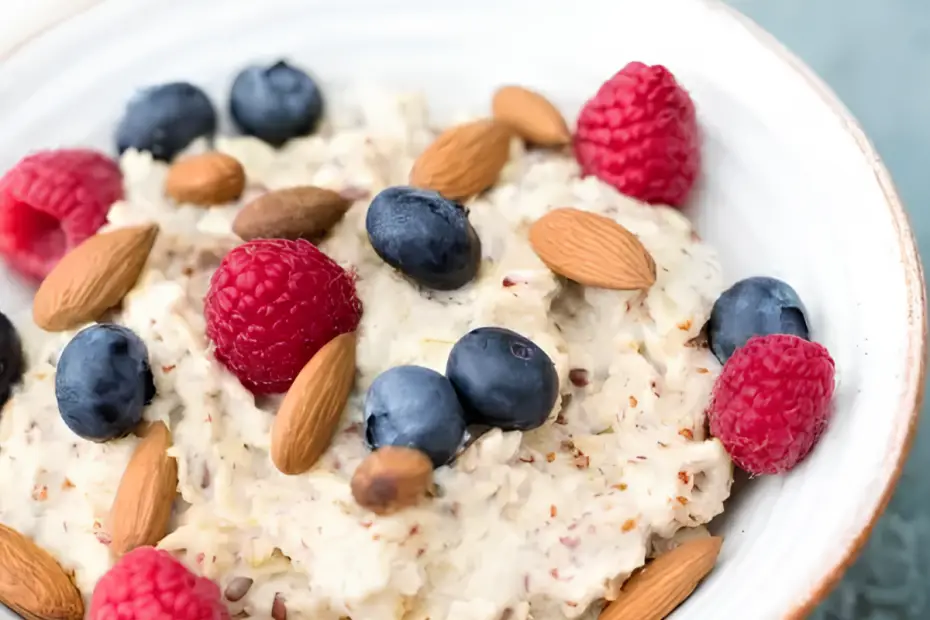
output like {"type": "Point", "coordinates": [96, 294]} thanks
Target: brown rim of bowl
{"type": "Point", "coordinates": [913, 395]}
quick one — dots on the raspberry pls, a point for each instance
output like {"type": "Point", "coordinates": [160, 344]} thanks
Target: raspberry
{"type": "Point", "coordinates": [50, 202]}
{"type": "Point", "coordinates": [272, 304]}
{"type": "Point", "coordinates": [149, 584]}
{"type": "Point", "coordinates": [639, 134]}
{"type": "Point", "coordinates": [771, 403]}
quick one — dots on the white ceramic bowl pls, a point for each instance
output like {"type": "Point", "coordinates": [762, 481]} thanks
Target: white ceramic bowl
{"type": "Point", "coordinates": [791, 188]}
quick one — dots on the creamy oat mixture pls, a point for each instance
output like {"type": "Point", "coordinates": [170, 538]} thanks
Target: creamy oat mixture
{"type": "Point", "coordinates": [526, 525]}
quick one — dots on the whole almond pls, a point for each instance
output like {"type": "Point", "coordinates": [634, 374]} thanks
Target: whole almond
{"type": "Point", "coordinates": [464, 160]}
{"type": "Point", "coordinates": [531, 116]}
{"type": "Point", "coordinates": [663, 584]}
{"type": "Point", "coordinates": [294, 213]}
{"type": "Point", "coordinates": [32, 583]}
{"type": "Point", "coordinates": [146, 493]}
{"type": "Point", "coordinates": [306, 421]}
{"type": "Point", "coordinates": [92, 278]}
{"type": "Point", "coordinates": [592, 249]}
{"type": "Point", "coordinates": [207, 179]}
{"type": "Point", "coordinates": [392, 478]}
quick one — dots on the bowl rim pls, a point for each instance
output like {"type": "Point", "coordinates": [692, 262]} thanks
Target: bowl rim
{"type": "Point", "coordinates": [914, 383]}
{"type": "Point", "coordinates": [916, 367]}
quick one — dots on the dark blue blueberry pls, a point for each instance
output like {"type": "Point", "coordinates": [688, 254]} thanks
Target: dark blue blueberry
{"type": "Point", "coordinates": [103, 382]}
{"type": "Point", "coordinates": [165, 119]}
{"type": "Point", "coordinates": [414, 407]}
{"type": "Point", "coordinates": [503, 379]}
{"type": "Point", "coordinates": [756, 306]}
{"type": "Point", "coordinates": [11, 358]}
{"type": "Point", "coordinates": [275, 103]}
{"type": "Point", "coordinates": [424, 236]}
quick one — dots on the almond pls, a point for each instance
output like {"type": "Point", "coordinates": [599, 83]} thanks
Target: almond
{"type": "Point", "coordinates": [92, 278]}
{"type": "Point", "coordinates": [655, 590]}
{"type": "Point", "coordinates": [392, 478]}
{"type": "Point", "coordinates": [207, 179]}
{"type": "Point", "coordinates": [146, 493]}
{"type": "Point", "coordinates": [32, 583]}
{"type": "Point", "coordinates": [308, 416]}
{"type": "Point", "coordinates": [531, 116]}
{"type": "Point", "coordinates": [592, 249]}
{"type": "Point", "coordinates": [294, 213]}
{"type": "Point", "coordinates": [464, 160]}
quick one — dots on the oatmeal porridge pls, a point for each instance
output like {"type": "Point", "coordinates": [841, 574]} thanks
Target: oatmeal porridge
{"type": "Point", "coordinates": [537, 524]}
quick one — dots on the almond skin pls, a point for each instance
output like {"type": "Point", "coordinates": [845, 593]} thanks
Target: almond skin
{"type": "Point", "coordinates": [146, 493]}
{"type": "Point", "coordinates": [391, 479]}
{"type": "Point", "coordinates": [308, 416]}
{"type": "Point", "coordinates": [531, 116]}
{"type": "Point", "coordinates": [295, 213]}
{"type": "Point", "coordinates": [32, 583]}
{"type": "Point", "coordinates": [237, 589]}
{"type": "Point", "coordinates": [92, 278]}
{"type": "Point", "coordinates": [206, 180]}
{"type": "Point", "coordinates": [278, 607]}
{"type": "Point", "coordinates": [464, 160]}
{"type": "Point", "coordinates": [654, 591]}
{"type": "Point", "coordinates": [592, 250]}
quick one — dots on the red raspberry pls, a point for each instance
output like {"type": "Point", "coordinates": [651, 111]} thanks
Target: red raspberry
{"type": "Point", "coordinates": [771, 403]}
{"type": "Point", "coordinates": [639, 133]}
{"type": "Point", "coordinates": [50, 202]}
{"type": "Point", "coordinates": [149, 584]}
{"type": "Point", "coordinates": [272, 304]}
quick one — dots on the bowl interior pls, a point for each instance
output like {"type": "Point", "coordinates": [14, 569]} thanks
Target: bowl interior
{"type": "Point", "coordinates": [790, 189]}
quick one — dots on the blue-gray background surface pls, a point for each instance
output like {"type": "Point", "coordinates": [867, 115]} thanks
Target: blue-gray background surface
{"type": "Point", "coordinates": [875, 54]}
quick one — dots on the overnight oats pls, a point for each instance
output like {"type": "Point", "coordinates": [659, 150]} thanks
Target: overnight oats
{"type": "Point", "coordinates": [370, 368]}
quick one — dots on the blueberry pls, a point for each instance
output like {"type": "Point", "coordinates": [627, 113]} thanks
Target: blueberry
{"type": "Point", "coordinates": [425, 236]}
{"type": "Point", "coordinates": [503, 379]}
{"type": "Point", "coordinates": [11, 358]}
{"type": "Point", "coordinates": [275, 103]}
{"type": "Point", "coordinates": [103, 382]}
{"type": "Point", "coordinates": [414, 407]}
{"type": "Point", "coordinates": [756, 306]}
{"type": "Point", "coordinates": [165, 119]}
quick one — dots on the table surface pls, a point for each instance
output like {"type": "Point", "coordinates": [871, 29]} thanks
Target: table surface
{"type": "Point", "coordinates": [876, 56]}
